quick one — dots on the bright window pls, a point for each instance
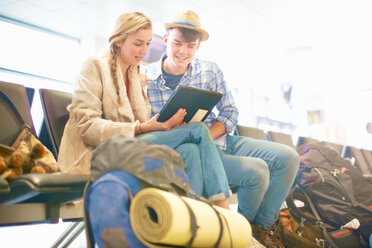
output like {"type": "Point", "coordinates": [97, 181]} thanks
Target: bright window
{"type": "Point", "coordinates": [37, 58]}
{"type": "Point", "coordinates": [28, 49]}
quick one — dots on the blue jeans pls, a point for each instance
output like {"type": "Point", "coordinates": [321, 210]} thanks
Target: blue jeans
{"type": "Point", "coordinates": [263, 171]}
{"type": "Point", "coordinates": [202, 162]}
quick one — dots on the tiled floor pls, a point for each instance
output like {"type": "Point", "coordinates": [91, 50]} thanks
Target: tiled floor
{"type": "Point", "coordinates": [38, 236]}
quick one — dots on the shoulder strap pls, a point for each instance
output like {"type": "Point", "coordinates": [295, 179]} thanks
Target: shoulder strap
{"type": "Point", "coordinates": [17, 114]}
{"type": "Point", "coordinates": [12, 107]}
{"type": "Point", "coordinates": [320, 223]}
{"type": "Point", "coordinates": [295, 210]}
{"type": "Point", "coordinates": [315, 221]}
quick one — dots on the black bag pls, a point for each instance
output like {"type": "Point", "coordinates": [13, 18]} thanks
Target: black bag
{"type": "Point", "coordinates": [307, 229]}
{"type": "Point", "coordinates": [335, 190]}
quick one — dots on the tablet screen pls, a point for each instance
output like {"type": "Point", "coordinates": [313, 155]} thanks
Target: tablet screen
{"type": "Point", "coordinates": [197, 102]}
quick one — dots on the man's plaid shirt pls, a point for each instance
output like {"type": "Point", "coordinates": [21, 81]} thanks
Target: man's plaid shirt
{"type": "Point", "coordinates": [201, 74]}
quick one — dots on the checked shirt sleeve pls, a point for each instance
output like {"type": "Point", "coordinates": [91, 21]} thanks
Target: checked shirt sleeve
{"type": "Point", "coordinates": [228, 112]}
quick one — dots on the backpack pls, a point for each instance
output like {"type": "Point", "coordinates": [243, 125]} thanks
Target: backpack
{"type": "Point", "coordinates": [106, 205]}
{"type": "Point", "coordinates": [336, 193]}
{"type": "Point", "coordinates": [120, 168]}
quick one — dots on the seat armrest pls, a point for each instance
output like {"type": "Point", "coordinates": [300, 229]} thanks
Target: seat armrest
{"type": "Point", "coordinates": [45, 188]}
{"type": "Point", "coordinates": [4, 186]}
{"type": "Point", "coordinates": [55, 182]}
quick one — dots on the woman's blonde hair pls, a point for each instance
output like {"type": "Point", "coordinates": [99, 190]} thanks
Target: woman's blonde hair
{"type": "Point", "coordinates": [126, 25]}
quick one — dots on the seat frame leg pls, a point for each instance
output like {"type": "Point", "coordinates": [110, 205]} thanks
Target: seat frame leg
{"type": "Point", "coordinates": [70, 234]}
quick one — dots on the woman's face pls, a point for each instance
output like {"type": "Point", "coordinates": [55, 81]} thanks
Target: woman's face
{"type": "Point", "coordinates": [134, 47]}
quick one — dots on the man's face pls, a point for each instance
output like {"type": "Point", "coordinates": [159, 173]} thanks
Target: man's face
{"type": "Point", "coordinates": [179, 51]}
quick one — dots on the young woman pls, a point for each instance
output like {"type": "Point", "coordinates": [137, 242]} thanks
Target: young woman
{"type": "Point", "coordinates": [109, 99]}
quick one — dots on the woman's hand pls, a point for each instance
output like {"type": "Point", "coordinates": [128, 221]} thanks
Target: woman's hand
{"type": "Point", "coordinates": [154, 125]}
{"type": "Point", "coordinates": [176, 119]}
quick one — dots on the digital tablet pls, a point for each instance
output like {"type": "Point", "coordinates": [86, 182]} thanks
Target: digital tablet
{"type": "Point", "coordinates": [197, 102]}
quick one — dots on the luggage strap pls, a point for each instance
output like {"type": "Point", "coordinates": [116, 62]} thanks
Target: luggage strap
{"type": "Point", "coordinates": [194, 225]}
{"type": "Point", "coordinates": [320, 223]}
{"type": "Point", "coordinates": [303, 217]}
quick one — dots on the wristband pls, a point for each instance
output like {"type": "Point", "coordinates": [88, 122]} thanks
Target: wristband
{"type": "Point", "coordinates": [139, 125]}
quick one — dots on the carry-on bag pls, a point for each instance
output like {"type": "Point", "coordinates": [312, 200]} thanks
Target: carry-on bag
{"type": "Point", "coordinates": [303, 227]}
{"type": "Point", "coordinates": [119, 169]}
{"type": "Point", "coordinates": [338, 196]}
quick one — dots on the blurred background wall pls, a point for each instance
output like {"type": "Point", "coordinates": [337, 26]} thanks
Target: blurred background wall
{"type": "Point", "coordinates": [296, 66]}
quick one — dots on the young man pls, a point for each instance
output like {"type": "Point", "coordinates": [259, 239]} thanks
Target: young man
{"type": "Point", "coordinates": [261, 171]}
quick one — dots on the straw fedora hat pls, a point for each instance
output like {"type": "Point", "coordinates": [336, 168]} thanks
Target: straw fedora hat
{"type": "Point", "coordinates": [187, 19]}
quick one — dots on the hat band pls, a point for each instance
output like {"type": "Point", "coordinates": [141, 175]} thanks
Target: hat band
{"type": "Point", "coordinates": [185, 24]}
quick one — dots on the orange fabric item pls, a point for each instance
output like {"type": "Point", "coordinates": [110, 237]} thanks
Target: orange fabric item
{"type": "Point", "coordinates": [285, 220]}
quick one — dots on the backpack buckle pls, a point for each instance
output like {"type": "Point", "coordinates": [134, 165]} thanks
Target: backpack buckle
{"type": "Point", "coordinates": [335, 172]}
{"type": "Point", "coordinates": [320, 242]}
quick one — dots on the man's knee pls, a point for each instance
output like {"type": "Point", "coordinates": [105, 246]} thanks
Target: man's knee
{"type": "Point", "coordinates": [292, 160]}
{"type": "Point", "coordinates": [258, 174]}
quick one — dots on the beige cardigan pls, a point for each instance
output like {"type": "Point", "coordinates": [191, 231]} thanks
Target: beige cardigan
{"type": "Point", "coordinates": [95, 114]}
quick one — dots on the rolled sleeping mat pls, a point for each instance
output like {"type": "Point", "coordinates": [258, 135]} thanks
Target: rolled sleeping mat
{"type": "Point", "coordinates": [163, 219]}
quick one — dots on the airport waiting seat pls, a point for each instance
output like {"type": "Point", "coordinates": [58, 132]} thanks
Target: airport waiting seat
{"type": "Point", "coordinates": [44, 137]}
{"type": "Point", "coordinates": [30, 95]}
{"type": "Point", "coordinates": [54, 105]}
{"type": "Point", "coordinates": [305, 140]}
{"type": "Point", "coordinates": [368, 157]}
{"type": "Point", "coordinates": [252, 132]}
{"type": "Point", "coordinates": [282, 138]}
{"type": "Point", "coordinates": [337, 147]}
{"type": "Point", "coordinates": [34, 198]}
{"type": "Point", "coordinates": [360, 162]}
